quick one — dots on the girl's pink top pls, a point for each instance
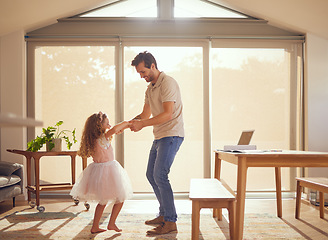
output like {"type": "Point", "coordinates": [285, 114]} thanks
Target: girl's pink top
{"type": "Point", "coordinates": [103, 150]}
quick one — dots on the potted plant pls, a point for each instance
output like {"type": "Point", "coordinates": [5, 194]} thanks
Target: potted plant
{"type": "Point", "coordinates": [49, 137]}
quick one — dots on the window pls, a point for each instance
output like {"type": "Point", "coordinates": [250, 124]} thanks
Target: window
{"type": "Point", "coordinates": [130, 8]}
{"type": "Point", "coordinates": [185, 65]}
{"type": "Point", "coordinates": [197, 9]}
{"type": "Point", "coordinates": [251, 89]}
{"type": "Point", "coordinates": [149, 8]}
{"type": "Point", "coordinates": [72, 82]}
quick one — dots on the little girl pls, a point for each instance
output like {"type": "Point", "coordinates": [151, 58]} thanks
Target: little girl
{"type": "Point", "coordinates": [104, 179]}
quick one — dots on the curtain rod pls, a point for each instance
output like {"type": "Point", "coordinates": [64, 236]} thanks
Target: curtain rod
{"type": "Point", "coordinates": [118, 37]}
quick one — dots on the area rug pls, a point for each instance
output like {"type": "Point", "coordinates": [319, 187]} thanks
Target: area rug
{"type": "Point", "coordinates": [69, 225]}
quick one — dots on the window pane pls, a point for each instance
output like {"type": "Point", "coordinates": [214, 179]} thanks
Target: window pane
{"type": "Point", "coordinates": [251, 90]}
{"type": "Point", "coordinates": [130, 8]}
{"type": "Point", "coordinates": [198, 8]}
{"type": "Point", "coordinates": [72, 82]}
{"type": "Point", "coordinates": [185, 65]}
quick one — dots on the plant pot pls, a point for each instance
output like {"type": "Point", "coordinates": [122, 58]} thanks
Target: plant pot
{"type": "Point", "coordinates": [57, 147]}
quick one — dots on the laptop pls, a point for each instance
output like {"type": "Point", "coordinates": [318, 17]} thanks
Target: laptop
{"type": "Point", "coordinates": [245, 137]}
{"type": "Point", "coordinates": [243, 143]}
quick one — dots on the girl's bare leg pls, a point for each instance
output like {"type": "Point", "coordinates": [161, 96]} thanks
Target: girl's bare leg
{"type": "Point", "coordinates": [96, 219]}
{"type": "Point", "coordinates": [115, 211]}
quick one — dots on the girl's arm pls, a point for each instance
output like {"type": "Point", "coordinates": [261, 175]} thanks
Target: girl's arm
{"type": "Point", "coordinates": [117, 128]}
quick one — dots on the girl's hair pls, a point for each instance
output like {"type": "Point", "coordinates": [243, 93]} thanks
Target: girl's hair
{"type": "Point", "coordinates": [91, 132]}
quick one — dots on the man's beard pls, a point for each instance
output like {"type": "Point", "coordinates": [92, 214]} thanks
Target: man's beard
{"type": "Point", "coordinates": [150, 77]}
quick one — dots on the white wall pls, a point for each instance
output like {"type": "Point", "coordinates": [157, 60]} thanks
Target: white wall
{"type": "Point", "coordinates": [13, 92]}
{"type": "Point", "coordinates": [317, 92]}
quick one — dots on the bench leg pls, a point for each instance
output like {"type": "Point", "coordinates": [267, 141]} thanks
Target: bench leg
{"type": "Point", "coordinates": [322, 204]}
{"type": "Point", "coordinates": [231, 211]}
{"type": "Point", "coordinates": [195, 220]}
{"type": "Point", "coordinates": [298, 199]}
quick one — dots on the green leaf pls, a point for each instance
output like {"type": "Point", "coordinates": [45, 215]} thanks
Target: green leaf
{"type": "Point", "coordinates": [48, 134]}
{"type": "Point", "coordinates": [59, 123]}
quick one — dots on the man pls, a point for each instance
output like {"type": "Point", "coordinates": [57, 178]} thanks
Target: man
{"type": "Point", "coordinates": [162, 110]}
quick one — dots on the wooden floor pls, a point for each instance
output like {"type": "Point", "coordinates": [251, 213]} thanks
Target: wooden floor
{"type": "Point", "coordinates": [310, 225]}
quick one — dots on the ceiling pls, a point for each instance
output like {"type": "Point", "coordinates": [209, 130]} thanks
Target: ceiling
{"type": "Point", "coordinates": [305, 16]}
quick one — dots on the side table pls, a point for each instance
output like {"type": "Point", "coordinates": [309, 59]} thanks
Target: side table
{"type": "Point", "coordinates": [45, 187]}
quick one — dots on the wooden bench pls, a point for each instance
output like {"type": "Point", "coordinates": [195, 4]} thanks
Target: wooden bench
{"type": "Point", "coordinates": [210, 193]}
{"type": "Point", "coordinates": [315, 183]}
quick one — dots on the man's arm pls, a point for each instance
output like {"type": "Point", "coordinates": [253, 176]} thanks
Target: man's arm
{"type": "Point", "coordinates": [145, 113]}
{"type": "Point", "coordinates": [165, 116]}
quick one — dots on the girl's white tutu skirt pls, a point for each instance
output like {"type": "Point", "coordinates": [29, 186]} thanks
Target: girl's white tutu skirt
{"type": "Point", "coordinates": [103, 182]}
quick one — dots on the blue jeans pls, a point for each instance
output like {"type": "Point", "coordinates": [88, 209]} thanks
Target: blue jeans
{"type": "Point", "coordinates": [161, 156]}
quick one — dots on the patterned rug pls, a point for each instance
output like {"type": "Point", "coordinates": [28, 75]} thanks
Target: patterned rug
{"type": "Point", "coordinates": [69, 225]}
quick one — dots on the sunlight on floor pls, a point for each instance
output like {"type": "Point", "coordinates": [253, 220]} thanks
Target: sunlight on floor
{"type": "Point", "coordinates": [151, 206]}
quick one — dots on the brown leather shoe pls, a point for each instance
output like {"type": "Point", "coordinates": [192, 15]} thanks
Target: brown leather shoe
{"type": "Point", "coordinates": [157, 220]}
{"type": "Point", "coordinates": [164, 228]}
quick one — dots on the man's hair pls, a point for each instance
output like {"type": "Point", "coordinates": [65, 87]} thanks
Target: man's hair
{"type": "Point", "coordinates": [145, 57]}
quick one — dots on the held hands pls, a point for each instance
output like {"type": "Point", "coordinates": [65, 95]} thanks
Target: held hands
{"type": "Point", "coordinates": [136, 125]}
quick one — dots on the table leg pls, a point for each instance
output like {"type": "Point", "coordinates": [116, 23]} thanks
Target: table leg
{"type": "Point", "coordinates": [278, 191]}
{"type": "Point", "coordinates": [217, 212]}
{"type": "Point", "coordinates": [217, 167]}
{"type": "Point", "coordinates": [84, 162]}
{"type": "Point", "coordinates": [298, 199]}
{"type": "Point", "coordinates": [195, 220]}
{"type": "Point", "coordinates": [73, 168]}
{"type": "Point", "coordinates": [240, 201]}
{"type": "Point", "coordinates": [322, 204]}
{"type": "Point", "coordinates": [29, 179]}
{"type": "Point", "coordinates": [37, 180]}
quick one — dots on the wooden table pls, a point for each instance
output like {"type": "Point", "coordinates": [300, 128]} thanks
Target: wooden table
{"type": "Point", "coordinates": [45, 187]}
{"type": "Point", "coordinates": [264, 159]}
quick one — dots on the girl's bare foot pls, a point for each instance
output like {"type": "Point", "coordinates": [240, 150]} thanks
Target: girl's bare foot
{"type": "Point", "coordinates": [97, 230]}
{"type": "Point", "coordinates": [113, 227]}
